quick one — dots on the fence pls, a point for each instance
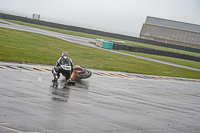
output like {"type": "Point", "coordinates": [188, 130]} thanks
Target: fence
{"type": "Point", "coordinates": [120, 46]}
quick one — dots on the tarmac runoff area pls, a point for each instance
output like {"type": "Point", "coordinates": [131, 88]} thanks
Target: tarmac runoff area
{"type": "Point", "coordinates": [112, 102]}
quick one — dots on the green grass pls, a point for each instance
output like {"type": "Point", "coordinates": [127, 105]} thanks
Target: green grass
{"type": "Point", "coordinates": [103, 37]}
{"type": "Point", "coordinates": [20, 46]}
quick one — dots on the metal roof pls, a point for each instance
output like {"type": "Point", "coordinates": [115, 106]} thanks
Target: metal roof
{"type": "Point", "coordinates": [173, 24]}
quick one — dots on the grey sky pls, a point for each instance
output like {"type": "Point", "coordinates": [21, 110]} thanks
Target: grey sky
{"type": "Point", "coordinates": [116, 16]}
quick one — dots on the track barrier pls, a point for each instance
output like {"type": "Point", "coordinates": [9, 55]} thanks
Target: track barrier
{"type": "Point", "coordinates": [104, 43]}
{"type": "Point", "coordinates": [131, 48]}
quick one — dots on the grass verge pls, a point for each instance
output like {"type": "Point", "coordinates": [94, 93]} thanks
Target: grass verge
{"type": "Point", "coordinates": [20, 46]}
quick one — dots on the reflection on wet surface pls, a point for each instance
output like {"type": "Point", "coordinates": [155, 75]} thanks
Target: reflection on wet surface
{"type": "Point", "coordinates": [62, 92]}
{"type": "Point", "coordinates": [60, 95]}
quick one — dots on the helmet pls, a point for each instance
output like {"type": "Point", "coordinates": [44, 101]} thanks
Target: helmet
{"type": "Point", "coordinates": [65, 53]}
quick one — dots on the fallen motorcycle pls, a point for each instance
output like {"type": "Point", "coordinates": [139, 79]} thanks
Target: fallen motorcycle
{"type": "Point", "coordinates": [80, 73]}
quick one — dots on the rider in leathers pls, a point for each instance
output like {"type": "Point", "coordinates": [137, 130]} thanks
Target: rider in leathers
{"type": "Point", "coordinates": [64, 66]}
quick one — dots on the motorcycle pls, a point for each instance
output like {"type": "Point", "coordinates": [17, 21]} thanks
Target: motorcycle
{"type": "Point", "coordinates": [80, 73]}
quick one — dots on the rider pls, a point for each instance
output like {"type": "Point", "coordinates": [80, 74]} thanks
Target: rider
{"type": "Point", "coordinates": [64, 66]}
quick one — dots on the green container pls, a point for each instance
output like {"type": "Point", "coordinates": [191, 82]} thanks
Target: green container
{"type": "Point", "coordinates": [107, 45]}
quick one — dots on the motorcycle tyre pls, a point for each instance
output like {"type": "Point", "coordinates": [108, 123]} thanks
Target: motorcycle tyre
{"type": "Point", "coordinates": [85, 75]}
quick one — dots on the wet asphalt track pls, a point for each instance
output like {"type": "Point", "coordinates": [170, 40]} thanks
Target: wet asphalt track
{"type": "Point", "coordinates": [107, 102]}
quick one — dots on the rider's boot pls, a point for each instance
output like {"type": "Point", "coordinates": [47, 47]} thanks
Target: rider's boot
{"type": "Point", "coordinates": [55, 80]}
{"type": "Point", "coordinates": [68, 80]}
{"type": "Point", "coordinates": [55, 75]}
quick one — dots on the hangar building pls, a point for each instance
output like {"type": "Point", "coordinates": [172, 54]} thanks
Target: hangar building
{"type": "Point", "coordinates": [170, 31]}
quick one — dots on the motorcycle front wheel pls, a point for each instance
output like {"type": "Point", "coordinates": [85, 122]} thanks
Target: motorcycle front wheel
{"type": "Point", "coordinates": [84, 75]}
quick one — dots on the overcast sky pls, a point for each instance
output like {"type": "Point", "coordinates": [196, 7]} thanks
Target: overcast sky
{"type": "Point", "coordinates": [116, 16]}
